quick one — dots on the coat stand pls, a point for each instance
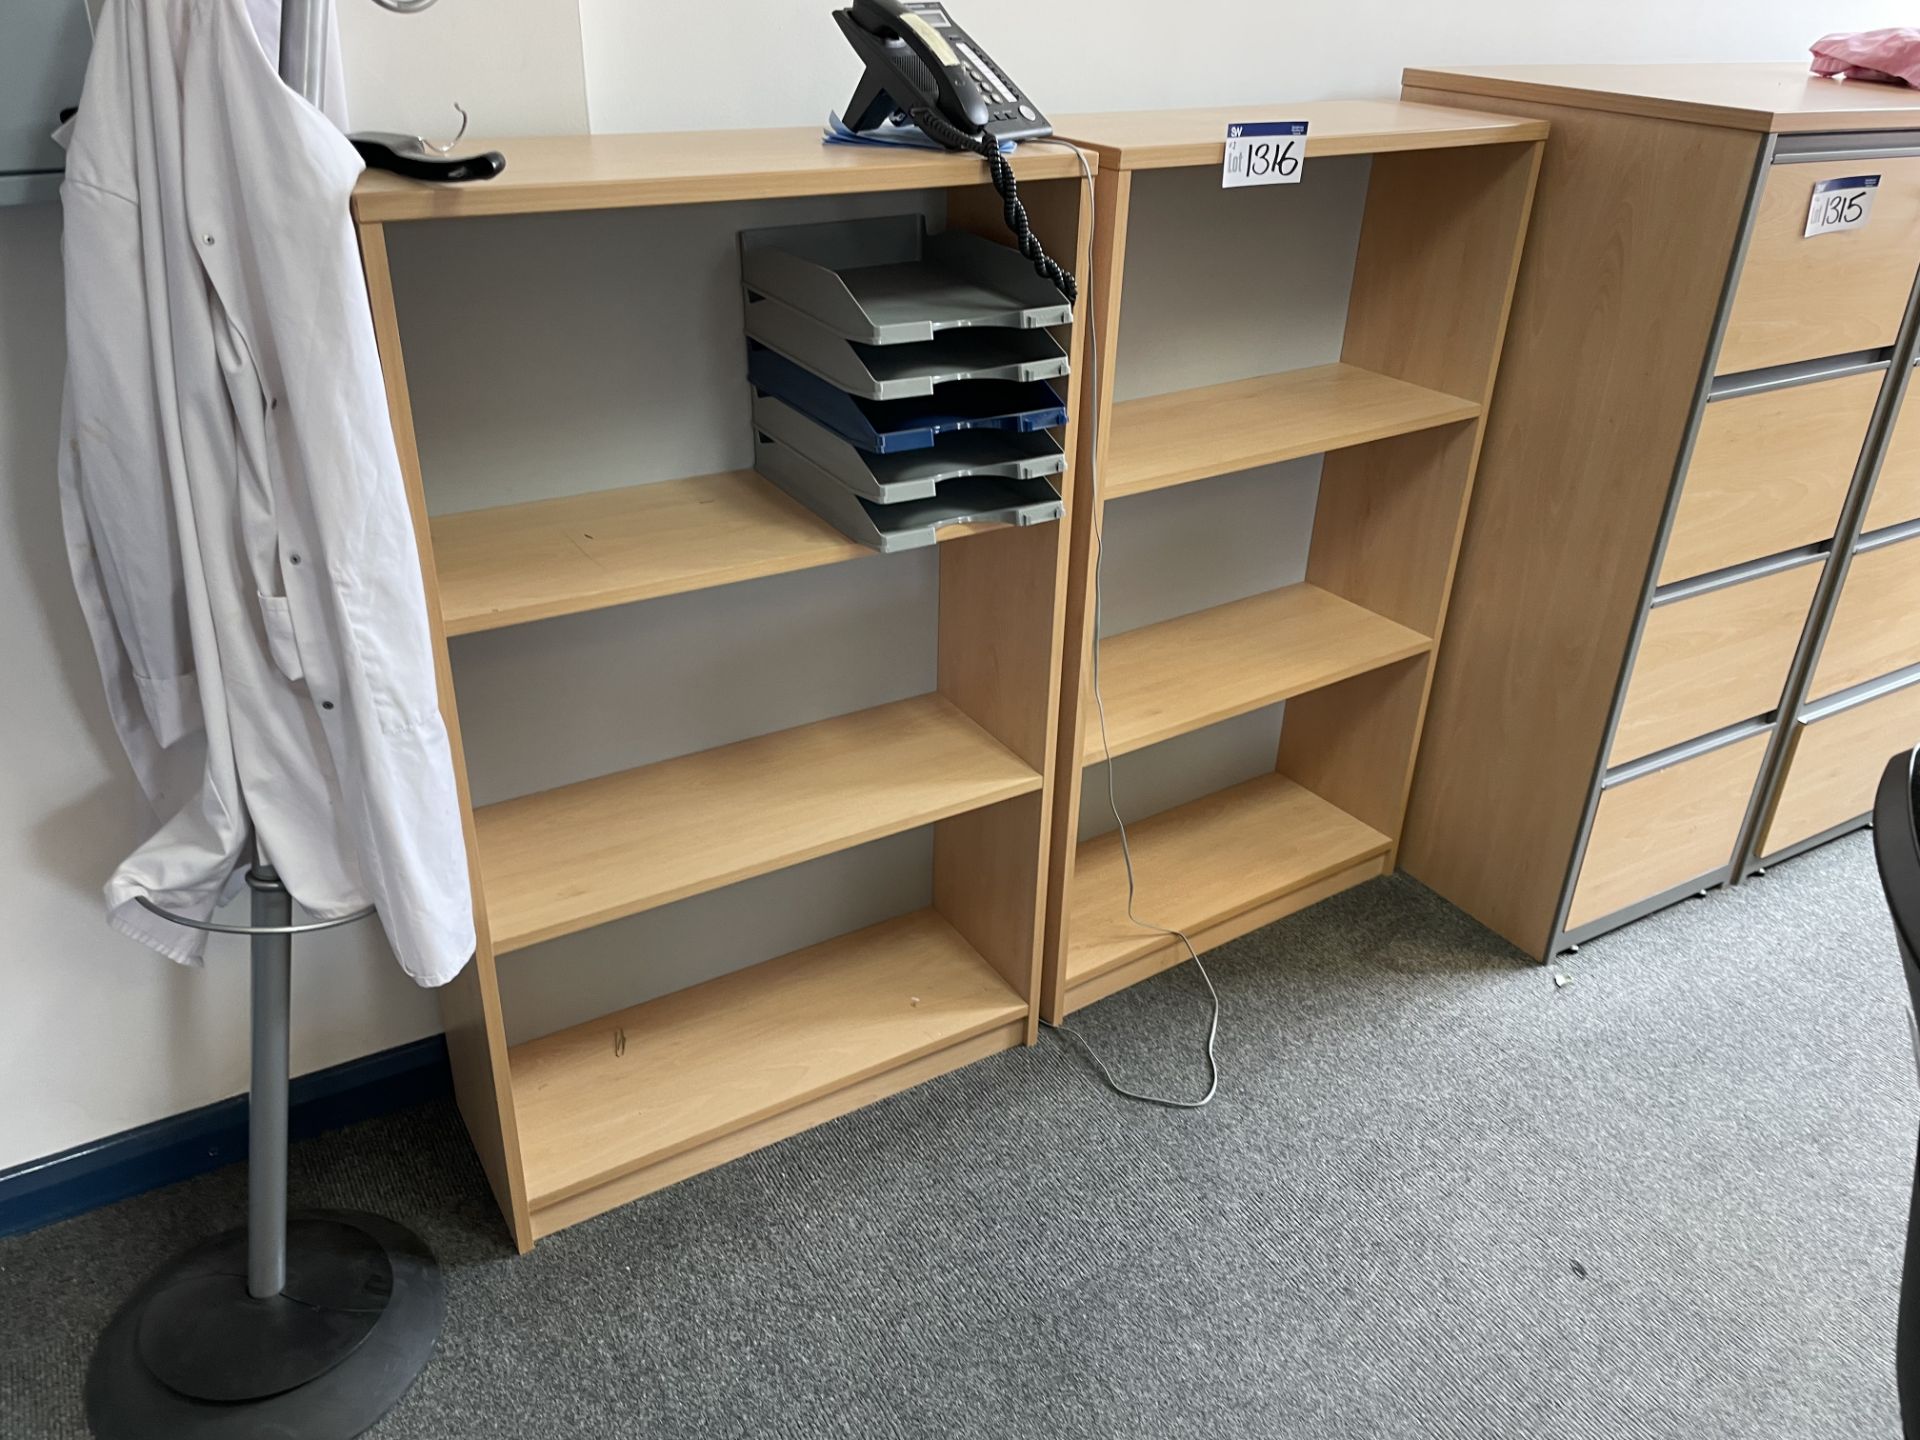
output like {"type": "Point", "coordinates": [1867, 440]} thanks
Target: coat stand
{"type": "Point", "coordinates": [301, 1328]}
{"type": "Point", "coordinates": [307, 1327]}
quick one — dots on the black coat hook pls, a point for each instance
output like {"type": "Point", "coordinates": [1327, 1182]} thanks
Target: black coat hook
{"type": "Point", "coordinates": [408, 155]}
{"type": "Point", "coordinates": [419, 158]}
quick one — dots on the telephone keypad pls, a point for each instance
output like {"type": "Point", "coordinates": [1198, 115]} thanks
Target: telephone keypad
{"type": "Point", "coordinates": [1010, 115]}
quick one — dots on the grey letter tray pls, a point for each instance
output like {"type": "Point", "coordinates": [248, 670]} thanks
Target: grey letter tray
{"type": "Point", "coordinates": [908, 524]}
{"type": "Point", "coordinates": [888, 282]}
{"type": "Point", "coordinates": [893, 372]}
{"type": "Point", "coordinates": [909, 474]}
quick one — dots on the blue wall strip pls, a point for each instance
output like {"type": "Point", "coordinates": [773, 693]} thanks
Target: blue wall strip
{"type": "Point", "coordinates": [88, 1176]}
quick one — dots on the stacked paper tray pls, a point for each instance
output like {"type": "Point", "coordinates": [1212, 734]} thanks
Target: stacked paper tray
{"type": "Point", "coordinates": [906, 524]}
{"type": "Point", "coordinates": [909, 474]}
{"type": "Point", "coordinates": [885, 427]}
{"type": "Point", "coordinates": [916, 367]}
{"type": "Point", "coordinates": [888, 282]}
{"type": "Point", "coordinates": [902, 381]}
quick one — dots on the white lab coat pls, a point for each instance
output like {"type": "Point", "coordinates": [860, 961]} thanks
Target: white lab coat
{"type": "Point", "coordinates": [234, 510]}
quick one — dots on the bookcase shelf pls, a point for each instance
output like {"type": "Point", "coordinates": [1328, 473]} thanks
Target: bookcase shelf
{"type": "Point", "coordinates": [1217, 429]}
{"type": "Point", "coordinates": [1397, 419]}
{"type": "Point", "coordinates": [563, 860]}
{"type": "Point", "coordinates": [1257, 851]}
{"type": "Point", "coordinates": [572, 1123]}
{"type": "Point", "coordinates": [514, 563]}
{"type": "Point", "coordinates": [631, 1101]}
{"type": "Point", "coordinates": [1174, 677]}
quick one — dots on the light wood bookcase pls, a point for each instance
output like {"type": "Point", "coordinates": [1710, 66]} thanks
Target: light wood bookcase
{"type": "Point", "coordinates": [1349, 650]}
{"type": "Point", "coordinates": [573, 1123]}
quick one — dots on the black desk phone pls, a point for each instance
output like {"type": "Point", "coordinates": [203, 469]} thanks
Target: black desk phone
{"type": "Point", "coordinates": [921, 66]}
{"type": "Point", "coordinates": [918, 42]}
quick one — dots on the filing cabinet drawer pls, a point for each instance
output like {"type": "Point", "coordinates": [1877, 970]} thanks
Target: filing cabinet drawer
{"type": "Point", "coordinates": [1665, 829]}
{"type": "Point", "coordinates": [1876, 625]}
{"type": "Point", "coordinates": [1835, 764]}
{"type": "Point", "coordinates": [1801, 297]}
{"type": "Point", "coordinates": [1896, 494]}
{"type": "Point", "coordinates": [1713, 659]}
{"type": "Point", "coordinates": [1769, 473]}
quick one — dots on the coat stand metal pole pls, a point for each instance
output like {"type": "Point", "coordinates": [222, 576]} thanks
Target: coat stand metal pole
{"type": "Point", "coordinates": [302, 1327]}
{"type": "Point", "coordinates": [272, 1007]}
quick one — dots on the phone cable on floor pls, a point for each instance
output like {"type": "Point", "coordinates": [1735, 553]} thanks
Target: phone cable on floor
{"type": "Point", "coordinates": [1106, 749]}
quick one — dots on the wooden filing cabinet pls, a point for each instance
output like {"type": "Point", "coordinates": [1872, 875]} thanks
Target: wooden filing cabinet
{"type": "Point", "coordinates": [1769, 474]}
{"type": "Point", "coordinates": [1876, 625]}
{"type": "Point", "coordinates": [1686, 624]}
{"type": "Point", "coordinates": [1833, 763]}
{"type": "Point", "coordinates": [1896, 494]}
{"type": "Point", "coordinates": [1711, 658]}
{"type": "Point", "coordinates": [1659, 829]}
{"type": "Point", "coordinates": [1796, 301]}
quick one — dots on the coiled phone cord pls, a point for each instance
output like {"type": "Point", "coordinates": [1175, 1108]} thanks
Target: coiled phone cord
{"type": "Point", "coordinates": [943, 130]}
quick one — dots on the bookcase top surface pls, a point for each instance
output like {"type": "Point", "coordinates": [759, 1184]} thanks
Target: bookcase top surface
{"type": "Point", "coordinates": [602, 172]}
{"type": "Point", "coordinates": [1782, 97]}
{"type": "Point", "coordinates": [1162, 139]}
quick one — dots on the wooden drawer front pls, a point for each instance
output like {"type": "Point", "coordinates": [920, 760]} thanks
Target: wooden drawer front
{"type": "Point", "coordinates": [1665, 829]}
{"type": "Point", "coordinates": [1769, 473]}
{"type": "Point", "coordinates": [1835, 765]}
{"type": "Point", "coordinates": [1713, 660]}
{"type": "Point", "coordinates": [1801, 297]}
{"type": "Point", "coordinates": [1896, 494]}
{"type": "Point", "coordinates": [1876, 625]}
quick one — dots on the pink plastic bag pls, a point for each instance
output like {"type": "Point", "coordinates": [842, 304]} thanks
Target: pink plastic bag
{"type": "Point", "coordinates": [1890, 56]}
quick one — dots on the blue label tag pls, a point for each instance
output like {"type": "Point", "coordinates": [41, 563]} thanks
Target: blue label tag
{"type": "Point", "coordinates": [1848, 182]}
{"type": "Point", "coordinates": [1264, 152]}
{"type": "Point", "coordinates": [1267, 127]}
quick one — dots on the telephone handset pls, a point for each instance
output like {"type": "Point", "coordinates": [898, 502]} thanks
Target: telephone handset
{"type": "Point", "coordinates": [941, 65]}
{"type": "Point", "coordinates": [923, 66]}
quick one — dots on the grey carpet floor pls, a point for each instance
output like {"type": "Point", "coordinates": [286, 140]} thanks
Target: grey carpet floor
{"type": "Point", "coordinates": [1438, 1196]}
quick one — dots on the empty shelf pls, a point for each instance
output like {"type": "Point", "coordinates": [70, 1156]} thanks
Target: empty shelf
{"type": "Point", "coordinates": [635, 1089]}
{"type": "Point", "coordinates": [886, 281]}
{"type": "Point", "coordinates": [516, 563]}
{"type": "Point", "coordinates": [1217, 429]}
{"type": "Point", "coordinates": [891, 372]}
{"type": "Point", "coordinates": [1167, 679]}
{"type": "Point", "coordinates": [567, 859]}
{"type": "Point", "coordinates": [1205, 863]}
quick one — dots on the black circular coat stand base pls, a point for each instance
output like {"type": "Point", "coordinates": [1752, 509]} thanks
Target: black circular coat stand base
{"type": "Point", "coordinates": [297, 1327]}
{"type": "Point", "coordinates": [193, 1355]}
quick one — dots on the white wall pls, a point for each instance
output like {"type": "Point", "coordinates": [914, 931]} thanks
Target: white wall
{"type": "Point", "coordinates": [514, 64]}
{"type": "Point", "coordinates": [644, 62]}
{"type": "Point", "coordinates": [96, 1034]}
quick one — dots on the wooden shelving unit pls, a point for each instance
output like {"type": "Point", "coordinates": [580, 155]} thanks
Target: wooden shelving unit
{"type": "Point", "coordinates": [1398, 418]}
{"type": "Point", "coordinates": [705, 1074]}
{"type": "Point", "coordinates": [1214, 868]}
{"type": "Point", "coordinates": [1212, 430]}
{"type": "Point", "coordinates": [515, 563]}
{"type": "Point", "coordinates": [567, 859]}
{"type": "Point", "coordinates": [573, 1123]}
{"type": "Point", "coordinates": [1174, 677]}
